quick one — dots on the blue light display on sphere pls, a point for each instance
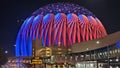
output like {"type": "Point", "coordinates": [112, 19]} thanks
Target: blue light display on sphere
{"type": "Point", "coordinates": [58, 24]}
{"type": "Point", "coordinates": [118, 44]}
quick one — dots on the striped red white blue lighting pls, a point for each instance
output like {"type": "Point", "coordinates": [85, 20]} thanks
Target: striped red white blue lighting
{"type": "Point", "coordinates": [58, 26]}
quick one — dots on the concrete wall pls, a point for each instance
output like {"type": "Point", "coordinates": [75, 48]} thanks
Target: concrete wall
{"type": "Point", "coordinates": [91, 45]}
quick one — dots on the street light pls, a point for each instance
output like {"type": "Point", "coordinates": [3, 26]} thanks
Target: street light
{"type": "Point", "coordinates": [6, 51]}
{"type": "Point", "coordinates": [98, 42]}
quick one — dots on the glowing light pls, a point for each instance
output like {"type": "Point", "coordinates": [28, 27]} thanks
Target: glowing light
{"type": "Point", "coordinates": [6, 52]}
{"type": "Point", "coordinates": [118, 44]}
{"type": "Point", "coordinates": [117, 60]}
{"type": "Point", "coordinates": [110, 60]}
{"type": "Point", "coordinates": [87, 49]}
{"type": "Point", "coordinates": [91, 65]}
{"type": "Point", "coordinates": [9, 61]}
{"type": "Point", "coordinates": [111, 67]}
{"type": "Point", "coordinates": [14, 45]}
{"type": "Point", "coordinates": [117, 67]}
{"type": "Point", "coordinates": [98, 42]}
{"type": "Point", "coordinates": [63, 27]}
{"type": "Point", "coordinates": [78, 64]}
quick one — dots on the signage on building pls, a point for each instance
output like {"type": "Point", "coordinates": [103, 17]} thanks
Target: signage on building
{"type": "Point", "coordinates": [36, 60]}
{"type": "Point", "coordinates": [48, 51]}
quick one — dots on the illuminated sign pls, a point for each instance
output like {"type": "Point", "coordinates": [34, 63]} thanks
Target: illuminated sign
{"type": "Point", "coordinates": [48, 51]}
{"type": "Point", "coordinates": [36, 60]}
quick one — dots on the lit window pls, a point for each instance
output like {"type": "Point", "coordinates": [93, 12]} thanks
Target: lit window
{"type": "Point", "coordinates": [117, 60]}
{"type": "Point", "coordinates": [87, 49]}
{"type": "Point", "coordinates": [111, 67]}
{"type": "Point", "coordinates": [110, 60]}
{"type": "Point", "coordinates": [115, 50]}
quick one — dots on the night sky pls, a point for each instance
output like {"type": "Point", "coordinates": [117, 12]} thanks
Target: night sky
{"type": "Point", "coordinates": [13, 12]}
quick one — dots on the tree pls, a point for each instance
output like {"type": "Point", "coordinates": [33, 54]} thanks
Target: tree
{"type": "Point", "coordinates": [3, 58]}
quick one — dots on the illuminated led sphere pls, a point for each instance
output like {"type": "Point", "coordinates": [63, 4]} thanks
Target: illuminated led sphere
{"type": "Point", "coordinates": [58, 24]}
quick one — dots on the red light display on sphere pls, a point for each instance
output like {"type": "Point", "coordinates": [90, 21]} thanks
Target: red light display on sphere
{"type": "Point", "coordinates": [58, 27]}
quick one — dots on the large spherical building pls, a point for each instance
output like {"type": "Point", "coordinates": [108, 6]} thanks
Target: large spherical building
{"type": "Point", "coordinates": [58, 24]}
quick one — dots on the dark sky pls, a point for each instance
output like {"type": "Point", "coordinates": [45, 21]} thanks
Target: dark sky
{"type": "Point", "coordinates": [108, 11]}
